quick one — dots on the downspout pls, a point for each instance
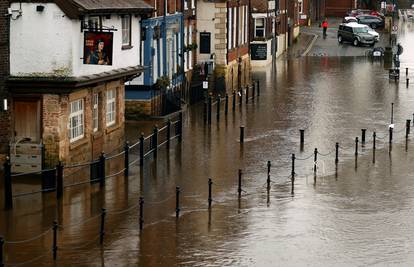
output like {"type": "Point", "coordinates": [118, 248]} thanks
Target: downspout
{"type": "Point", "coordinates": [164, 40]}
{"type": "Point", "coordinates": [182, 72]}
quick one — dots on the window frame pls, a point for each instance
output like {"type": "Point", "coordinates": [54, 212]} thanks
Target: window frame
{"type": "Point", "coordinates": [95, 112]}
{"type": "Point", "coordinates": [128, 31]}
{"type": "Point", "coordinates": [80, 113]}
{"type": "Point", "coordinates": [109, 111]}
{"type": "Point", "coordinates": [263, 28]}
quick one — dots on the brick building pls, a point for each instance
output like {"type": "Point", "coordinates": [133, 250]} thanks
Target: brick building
{"type": "Point", "coordinates": [263, 39]}
{"type": "Point", "coordinates": [66, 83]}
{"type": "Point", "coordinates": [4, 72]}
{"type": "Point", "coordinates": [223, 38]}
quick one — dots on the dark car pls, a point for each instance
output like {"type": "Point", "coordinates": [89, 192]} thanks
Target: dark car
{"type": "Point", "coordinates": [356, 34]}
{"type": "Point", "coordinates": [372, 21]}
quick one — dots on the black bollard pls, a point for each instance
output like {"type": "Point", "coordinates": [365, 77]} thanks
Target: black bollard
{"type": "Point", "coordinates": [234, 102]}
{"type": "Point", "coordinates": [177, 202]}
{"type": "Point", "coordinates": [226, 105]}
{"type": "Point", "coordinates": [408, 82]}
{"type": "Point", "coordinates": [8, 193]}
{"type": "Point", "coordinates": [141, 213]}
{"type": "Point", "coordinates": [218, 107]}
{"type": "Point", "coordinates": [210, 103]}
{"type": "Point", "coordinates": [102, 232]}
{"type": "Point", "coordinates": [315, 159]}
{"type": "Point", "coordinates": [247, 95]}
{"type": "Point", "coordinates": [258, 88]}
{"type": "Point", "coordinates": [406, 71]}
{"type": "Point", "coordinates": [59, 180]}
{"type": "Point", "coordinates": [392, 113]}
{"type": "Point", "coordinates": [210, 183]}
{"type": "Point", "coordinates": [336, 153]}
{"type": "Point", "coordinates": [407, 128]}
{"type": "Point", "coordinates": [241, 98]}
{"type": "Point", "coordinates": [363, 132]}
{"type": "Point", "coordinates": [1, 252]}
{"type": "Point", "coordinates": [356, 146]}
{"type": "Point", "coordinates": [239, 189]}
{"type": "Point", "coordinates": [253, 91]}
{"type": "Point", "coordinates": [390, 129]}
{"type": "Point", "coordinates": [241, 134]}
{"type": "Point", "coordinates": [141, 149]}
{"type": "Point", "coordinates": [54, 248]}
{"type": "Point", "coordinates": [102, 176]}
{"type": "Point", "coordinates": [126, 159]}
{"type": "Point", "coordinates": [154, 141]}
{"type": "Point", "coordinates": [302, 137]}
{"type": "Point", "coordinates": [374, 145]}
{"type": "Point", "coordinates": [292, 179]}
{"type": "Point", "coordinates": [169, 132]}
{"type": "Point", "coordinates": [268, 175]}
{"type": "Point", "coordinates": [205, 111]}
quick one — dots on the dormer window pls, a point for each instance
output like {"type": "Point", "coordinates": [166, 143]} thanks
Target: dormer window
{"type": "Point", "coordinates": [126, 31]}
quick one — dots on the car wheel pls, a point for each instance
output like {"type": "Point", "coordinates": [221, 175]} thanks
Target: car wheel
{"type": "Point", "coordinates": [372, 44]}
{"type": "Point", "coordinates": [373, 25]}
{"type": "Point", "coordinates": [340, 39]}
{"type": "Point", "coordinates": [356, 42]}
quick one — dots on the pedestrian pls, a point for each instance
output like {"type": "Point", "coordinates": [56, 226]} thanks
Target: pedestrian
{"type": "Point", "coordinates": [325, 26]}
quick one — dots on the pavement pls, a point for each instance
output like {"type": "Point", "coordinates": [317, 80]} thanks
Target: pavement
{"type": "Point", "coordinates": [329, 46]}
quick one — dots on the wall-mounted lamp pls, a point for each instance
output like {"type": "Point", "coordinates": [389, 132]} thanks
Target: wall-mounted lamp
{"type": "Point", "coordinates": [5, 107]}
{"type": "Point", "coordinates": [40, 8]}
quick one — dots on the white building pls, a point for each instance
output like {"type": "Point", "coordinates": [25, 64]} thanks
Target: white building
{"type": "Point", "coordinates": [69, 60]}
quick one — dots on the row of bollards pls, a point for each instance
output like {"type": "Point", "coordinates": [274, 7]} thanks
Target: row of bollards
{"type": "Point", "coordinates": [208, 105]}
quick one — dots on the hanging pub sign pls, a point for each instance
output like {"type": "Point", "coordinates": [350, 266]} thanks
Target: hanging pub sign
{"type": "Point", "coordinates": [98, 48]}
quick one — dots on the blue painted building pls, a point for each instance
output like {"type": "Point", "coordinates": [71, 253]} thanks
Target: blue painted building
{"type": "Point", "coordinates": [160, 84]}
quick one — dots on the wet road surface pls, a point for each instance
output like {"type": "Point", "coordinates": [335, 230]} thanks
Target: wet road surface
{"type": "Point", "coordinates": [361, 215]}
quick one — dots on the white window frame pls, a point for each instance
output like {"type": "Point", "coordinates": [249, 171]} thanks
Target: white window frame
{"type": "Point", "coordinates": [190, 53]}
{"type": "Point", "coordinates": [230, 28]}
{"type": "Point", "coordinates": [76, 132]}
{"type": "Point", "coordinates": [110, 107]}
{"type": "Point", "coordinates": [264, 27]}
{"type": "Point", "coordinates": [186, 4]}
{"type": "Point", "coordinates": [126, 29]}
{"type": "Point", "coordinates": [192, 4]}
{"type": "Point", "coordinates": [95, 112]}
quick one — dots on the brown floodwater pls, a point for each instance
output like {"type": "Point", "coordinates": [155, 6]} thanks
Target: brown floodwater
{"type": "Point", "coordinates": [359, 213]}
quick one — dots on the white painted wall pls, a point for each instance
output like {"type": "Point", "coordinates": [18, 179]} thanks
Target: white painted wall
{"type": "Point", "coordinates": [205, 23]}
{"type": "Point", "coordinates": [48, 43]}
{"type": "Point", "coordinates": [263, 63]}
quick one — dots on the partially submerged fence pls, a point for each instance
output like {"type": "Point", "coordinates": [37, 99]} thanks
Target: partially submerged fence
{"type": "Point", "coordinates": [54, 179]}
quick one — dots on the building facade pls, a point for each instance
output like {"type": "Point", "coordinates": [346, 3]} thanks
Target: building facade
{"type": "Point", "coordinates": [69, 61]}
{"type": "Point", "coordinates": [263, 40]}
{"type": "Point", "coordinates": [168, 56]}
{"type": "Point", "coordinates": [223, 38]}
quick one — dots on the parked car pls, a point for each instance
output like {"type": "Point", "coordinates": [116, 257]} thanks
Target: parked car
{"type": "Point", "coordinates": [369, 29]}
{"type": "Point", "coordinates": [372, 21]}
{"type": "Point", "coordinates": [356, 34]}
{"type": "Point", "coordinates": [357, 12]}
{"type": "Point", "coordinates": [350, 19]}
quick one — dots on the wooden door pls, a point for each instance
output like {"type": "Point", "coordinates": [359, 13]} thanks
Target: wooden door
{"type": "Point", "coordinates": [27, 120]}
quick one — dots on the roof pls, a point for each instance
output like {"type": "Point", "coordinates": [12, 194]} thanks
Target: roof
{"type": "Point", "coordinates": [112, 6]}
{"type": "Point", "coordinates": [22, 84]}
{"type": "Point", "coordinates": [75, 8]}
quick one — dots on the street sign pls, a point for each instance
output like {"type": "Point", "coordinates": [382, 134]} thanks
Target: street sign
{"type": "Point", "coordinates": [205, 84]}
{"type": "Point", "coordinates": [392, 126]}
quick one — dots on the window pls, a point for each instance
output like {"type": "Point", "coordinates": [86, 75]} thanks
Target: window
{"type": "Point", "coordinates": [229, 30]}
{"type": "Point", "coordinates": [126, 30]}
{"type": "Point", "coordinates": [76, 120]}
{"type": "Point", "coordinates": [110, 107]}
{"type": "Point", "coordinates": [300, 6]}
{"type": "Point", "coordinates": [259, 27]}
{"type": "Point", "coordinates": [205, 42]}
{"type": "Point", "coordinates": [192, 4]}
{"type": "Point", "coordinates": [95, 112]}
{"type": "Point", "coordinates": [185, 4]}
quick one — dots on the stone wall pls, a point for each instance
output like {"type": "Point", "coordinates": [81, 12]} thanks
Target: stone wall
{"type": "Point", "coordinates": [55, 124]}
{"type": "Point", "coordinates": [220, 36]}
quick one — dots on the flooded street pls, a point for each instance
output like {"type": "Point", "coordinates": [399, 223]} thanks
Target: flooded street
{"type": "Point", "coordinates": [359, 215]}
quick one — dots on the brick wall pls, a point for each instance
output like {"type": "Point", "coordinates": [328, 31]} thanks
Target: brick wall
{"type": "Point", "coordinates": [4, 72]}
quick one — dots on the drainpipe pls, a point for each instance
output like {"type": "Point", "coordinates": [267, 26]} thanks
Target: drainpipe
{"type": "Point", "coordinates": [182, 72]}
{"type": "Point", "coordinates": [164, 40]}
